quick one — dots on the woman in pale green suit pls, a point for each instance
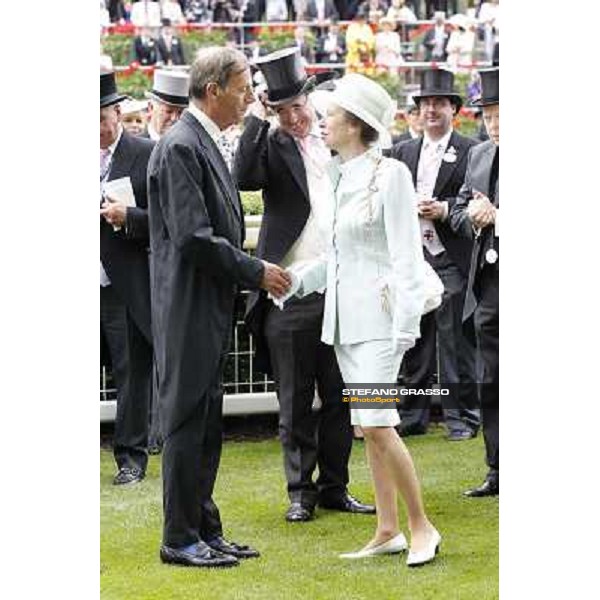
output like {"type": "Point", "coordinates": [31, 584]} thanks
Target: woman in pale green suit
{"type": "Point", "coordinates": [378, 287]}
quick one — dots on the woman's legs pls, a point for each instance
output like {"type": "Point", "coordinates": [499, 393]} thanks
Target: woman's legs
{"type": "Point", "coordinates": [399, 471]}
{"type": "Point", "coordinates": [385, 497]}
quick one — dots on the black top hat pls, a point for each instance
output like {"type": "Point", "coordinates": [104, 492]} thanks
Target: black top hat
{"type": "Point", "coordinates": [165, 22]}
{"type": "Point", "coordinates": [285, 75]}
{"type": "Point", "coordinates": [438, 82]}
{"type": "Point", "coordinates": [490, 93]}
{"type": "Point", "coordinates": [108, 90]}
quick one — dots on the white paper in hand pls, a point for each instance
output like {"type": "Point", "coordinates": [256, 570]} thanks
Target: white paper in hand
{"type": "Point", "coordinates": [120, 190]}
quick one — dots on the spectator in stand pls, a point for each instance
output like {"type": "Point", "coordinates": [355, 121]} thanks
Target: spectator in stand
{"type": "Point", "coordinates": [431, 6]}
{"type": "Point", "coordinates": [388, 50]}
{"type": "Point", "coordinates": [488, 18]}
{"type": "Point", "coordinates": [169, 46]}
{"type": "Point", "coordinates": [377, 9]}
{"type": "Point", "coordinates": [400, 13]}
{"type": "Point", "coordinates": [197, 11]}
{"type": "Point", "coordinates": [144, 48]}
{"type": "Point", "coordinates": [134, 115]}
{"type": "Point", "coordinates": [145, 13]}
{"type": "Point", "coordinates": [461, 44]}
{"type": "Point", "coordinates": [307, 51]}
{"type": "Point", "coordinates": [276, 10]}
{"type": "Point", "coordinates": [225, 11]}
{"type": "Point", "coordinates": [168, 99]}
{"type": "Point", "coordinates": [104, 16]}
{"type": "Point", "coordinates": [331, 47]}
{"type": "Point", "coordinates": [171, 9]}
{"type": "Point", "coordinates": [436, 40]}
{"type": "Point", "coordinates": [321, 11]}
{"type": "Point", "coordinates": [412, 115]}
{"type": "Point", "coordinates": [360, 41]}
{"type": "Point", "coordinates": [116, 10]}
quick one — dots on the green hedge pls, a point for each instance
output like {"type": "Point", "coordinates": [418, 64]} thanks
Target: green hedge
{"type": "Point", "coordinates": [119, 46]}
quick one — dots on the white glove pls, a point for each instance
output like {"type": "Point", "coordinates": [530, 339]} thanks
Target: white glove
{"type": "Point", "coordinates": [403, 342]}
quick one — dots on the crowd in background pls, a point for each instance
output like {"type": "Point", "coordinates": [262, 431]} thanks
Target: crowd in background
{"type": "Point", "coordinates": [355, 33]}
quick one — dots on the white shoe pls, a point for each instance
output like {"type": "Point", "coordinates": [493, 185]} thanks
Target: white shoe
{"type": "Point", "coordinates": [416, 559]}
{"type": "Point", "coordinates": [394, 546]}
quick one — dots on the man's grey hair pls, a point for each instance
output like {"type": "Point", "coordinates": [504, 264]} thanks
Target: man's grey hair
{"type": "Point", "coordinates": [215, 64]}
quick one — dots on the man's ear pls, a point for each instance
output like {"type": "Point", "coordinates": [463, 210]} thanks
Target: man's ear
{"type": "Point", "coordinates": [212, 89]}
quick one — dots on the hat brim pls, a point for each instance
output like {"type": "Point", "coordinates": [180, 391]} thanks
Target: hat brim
{"type": "Point", "coordinates": [323, 99]}
{"type": "Point", "coordinates": [454, 98]}
{"type": "Point", "coordinates": [306, 88]}
{"type": "Point", "coordinates": [484, 102]}
{"type": "Point", "coordinates": [112, 99]}
{"type": "Point", "coordinates": [178, 101]}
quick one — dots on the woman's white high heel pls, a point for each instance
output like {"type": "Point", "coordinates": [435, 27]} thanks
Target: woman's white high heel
{"type": "Point", "coordinates": [394, 546]}
{"type": "Point", "coordinates": [416, 559]}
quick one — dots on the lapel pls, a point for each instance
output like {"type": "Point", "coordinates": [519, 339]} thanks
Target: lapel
{"type": "Point", "coordinates": [292, 158]}
{"type": "Point", "coordinates": [411, 157]}
{"type": "Point", "coordinates": [448, 168]}
{"type": "Point", "coordinates": [216, 161]}
{"type": "Point", "coordinates": [122, 160]}
{"type": "Point", "coordinates": [485, 169]}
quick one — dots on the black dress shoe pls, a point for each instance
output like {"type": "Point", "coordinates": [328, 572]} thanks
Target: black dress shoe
{"type": "Point", "coordinates": [201, 556]}
{"type": "Point", "coordinates": [238, 550]}
{"type": "Point", "coordinates": [408, 430]}
{"type": "Point", "coordinates": [299, 512]}
{"type": "Point", "coordinates": [490, 487]}
{"type": "Point", "coordinates": [347, 503]}
{"type": "Point", "coordinates": [127, 476]}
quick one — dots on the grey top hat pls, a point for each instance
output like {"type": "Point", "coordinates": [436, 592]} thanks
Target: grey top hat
{"type": "Point", "coordinates": [170, 87]}
{"type": "Point", "coordinates": [108, 90]}
{"type": "Point", "coordinates": [490, 88]}
{"type": "Point", "coordinates": [285, 75]}
{"type": "Point", "coordinates": [438, 82]}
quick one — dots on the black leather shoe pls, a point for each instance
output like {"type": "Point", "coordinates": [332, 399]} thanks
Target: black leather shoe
{"type": "Point", "coordinates": [347, 503]}
{"type": "Point", "coordinates": [238, 550]}
{"type": "Point", "coordinates": [490, 487]}
{"type": "Point", "coordinates": [127, 476]}
{"type": "Point", "coordinates": [457, 435]}
{"type": "Point", "coordinates": [201, 556]}
{"type": "Point", "coordinates": [299, 512]}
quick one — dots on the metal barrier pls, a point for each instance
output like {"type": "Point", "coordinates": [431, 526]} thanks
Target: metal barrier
{"type": "Point", "coordinates": [246, 390]}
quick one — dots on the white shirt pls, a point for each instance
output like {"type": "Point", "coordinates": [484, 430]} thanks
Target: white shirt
{"type": "Point", "coordinates": [104, 279]}
{"type": "Point", "coordinates": [311, 242]}
{"type": "Point", "coordinates": [145, 14]}
{"type": "Point", "coordinates": [430, 161]}
{"type": "Point", "coordinates": [211, 128]}
{"type": "Point", "coordinates": [438, 49]}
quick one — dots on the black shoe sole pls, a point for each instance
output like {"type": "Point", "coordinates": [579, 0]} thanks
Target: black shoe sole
{"type": "Point", "coordinates": [168, 560]}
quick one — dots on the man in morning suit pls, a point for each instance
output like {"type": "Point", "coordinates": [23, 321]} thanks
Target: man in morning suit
{"type": "Point", "coordinates": [475, 215]}
{"type": "Point", "coordinates": [124, 284]}
{"type": "Point", "coordinates": [286, 163]}
{"type": "Point", "coordinates": [197, 265]}
{"type": "Point", "coordinates": [437, 161]}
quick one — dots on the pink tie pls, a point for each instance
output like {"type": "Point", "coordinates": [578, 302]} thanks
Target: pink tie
{"type": "Point", "coordinates": [104, 162]}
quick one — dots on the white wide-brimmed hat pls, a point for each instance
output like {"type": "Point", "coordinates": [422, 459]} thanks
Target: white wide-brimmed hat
{"type": "Point", "coordinates": [365, 99]}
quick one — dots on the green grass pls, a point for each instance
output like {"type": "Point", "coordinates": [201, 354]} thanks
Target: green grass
{"type": "Point", "coordinates": [299, 561]}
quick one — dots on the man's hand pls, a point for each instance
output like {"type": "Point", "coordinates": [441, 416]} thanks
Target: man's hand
{"type": "Point", "coordinates": [275, 280]}
{"type": "Point", "coordinates": [258, 107]}
{"type": "Point", "coordinates": [481, 211]}
{"type": "Point", "coordinates": [429, 208]}
{"type": "Point", "coordinates": [114, 212]}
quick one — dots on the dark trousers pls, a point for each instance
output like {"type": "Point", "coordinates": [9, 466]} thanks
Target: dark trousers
{"type": "Point", "coordinates": [456, 343]}
{"type": "Point", "coordinates": [309, 438]}
{"type": "Point", "coordinates": [190, 461]}
{"type": "Point", "coordinates": [131, 357]}
{"type": "Point", "coordinates": [155, 437]}
{"type": "Point", "coordinates": [487, 326]}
